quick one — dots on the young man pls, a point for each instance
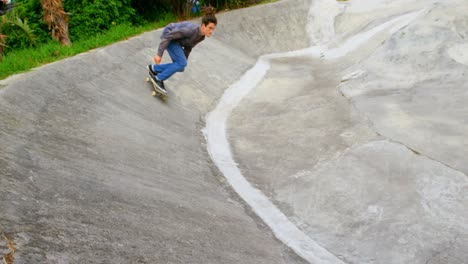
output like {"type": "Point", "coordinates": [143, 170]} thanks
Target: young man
{"type": "Point", "coordinates": [179, 39]}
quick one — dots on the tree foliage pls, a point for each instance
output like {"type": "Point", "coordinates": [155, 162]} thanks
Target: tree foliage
{"type": "Point", "coordinates": [13, 29]}
{"type": "Point", "coordinates": [152, 10]}
{"type": "Point", "coordinates": [89, 17]}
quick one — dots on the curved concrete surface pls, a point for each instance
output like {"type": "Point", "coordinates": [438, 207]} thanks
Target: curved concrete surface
{"type": "Point", "coordinates": [302, 132]}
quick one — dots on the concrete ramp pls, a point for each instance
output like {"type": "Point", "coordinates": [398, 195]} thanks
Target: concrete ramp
{"type": "Point", "coordinates": [301, 132]}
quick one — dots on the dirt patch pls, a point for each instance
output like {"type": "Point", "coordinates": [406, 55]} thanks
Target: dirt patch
{"type": "Point", "coordinates": [9, 257]}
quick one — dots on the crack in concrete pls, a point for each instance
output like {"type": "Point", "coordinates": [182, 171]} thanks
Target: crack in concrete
{"type": "Point", "coordinates": [375, 130]}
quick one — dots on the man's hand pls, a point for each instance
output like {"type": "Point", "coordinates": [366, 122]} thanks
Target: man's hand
{"type": "Point", "coordinates": [157, 59]}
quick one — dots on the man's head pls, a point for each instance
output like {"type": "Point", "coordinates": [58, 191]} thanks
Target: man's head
{"type": "Point", "coordinates": [209, 21]}
{"type": "Point", "coordinates": [207, 30]}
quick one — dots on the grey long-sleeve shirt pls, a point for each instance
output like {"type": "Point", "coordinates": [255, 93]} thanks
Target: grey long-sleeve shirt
{"type": "Point", "coordinates": [186, 34]}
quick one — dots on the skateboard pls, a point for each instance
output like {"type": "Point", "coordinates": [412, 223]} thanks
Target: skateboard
{"type": "Point", "coordinates": [156, 90]}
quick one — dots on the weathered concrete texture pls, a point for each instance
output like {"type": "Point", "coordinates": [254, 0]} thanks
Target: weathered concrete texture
{"type": "Point", "coordinates": [414, 87]}
{"type": "Point", "coordinates": [95, 170]}
{"type": "Point", "coordinates": [366, 153]}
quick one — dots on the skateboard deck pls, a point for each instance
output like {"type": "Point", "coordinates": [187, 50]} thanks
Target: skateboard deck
{"type": "Point", "coordinates": [156, 91]}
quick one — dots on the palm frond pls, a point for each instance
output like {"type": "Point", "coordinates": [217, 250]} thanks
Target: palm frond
{"type": "Point", "coordinates": [25, 30]}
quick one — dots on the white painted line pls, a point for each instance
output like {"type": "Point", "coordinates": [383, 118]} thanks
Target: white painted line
{"type": "Point", "coordinates": [220, 152]}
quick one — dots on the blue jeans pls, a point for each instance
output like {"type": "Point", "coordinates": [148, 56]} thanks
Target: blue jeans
{"type": "Point", "coordinates": [179, 62]}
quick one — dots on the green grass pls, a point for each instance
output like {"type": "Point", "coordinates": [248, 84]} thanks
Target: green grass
{"type": "Point", "coordinates": [23, 60]}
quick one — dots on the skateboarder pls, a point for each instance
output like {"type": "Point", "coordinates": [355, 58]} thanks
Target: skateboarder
{"type": "Point", "coordinates": [179, 39]}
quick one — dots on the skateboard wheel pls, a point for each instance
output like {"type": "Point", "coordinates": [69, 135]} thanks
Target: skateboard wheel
{"type": "Point", "coordinates": [154, 93]}
{"type": "Point", "coordinates": [147, 79]}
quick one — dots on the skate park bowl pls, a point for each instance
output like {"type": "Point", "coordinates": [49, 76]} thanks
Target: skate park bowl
{"type": "Point", "coordinates": [301, 132]}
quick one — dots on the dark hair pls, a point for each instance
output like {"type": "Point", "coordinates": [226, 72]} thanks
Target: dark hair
{"type": "Point", "coordinates": [209, 15]}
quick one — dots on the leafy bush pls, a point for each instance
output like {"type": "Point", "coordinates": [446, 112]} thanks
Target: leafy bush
{"type": "Point", "coordinates": [23, 26]}
{"type": "Point", "coordinates": [151, 10]}
{"type": "Point", "coordinates": [89, 17]}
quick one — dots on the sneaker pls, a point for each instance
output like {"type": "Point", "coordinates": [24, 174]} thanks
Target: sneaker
{"type": "Point", "coordinates": [160, 85]}
{"type": "Point", "coordinates": [150, 69]}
